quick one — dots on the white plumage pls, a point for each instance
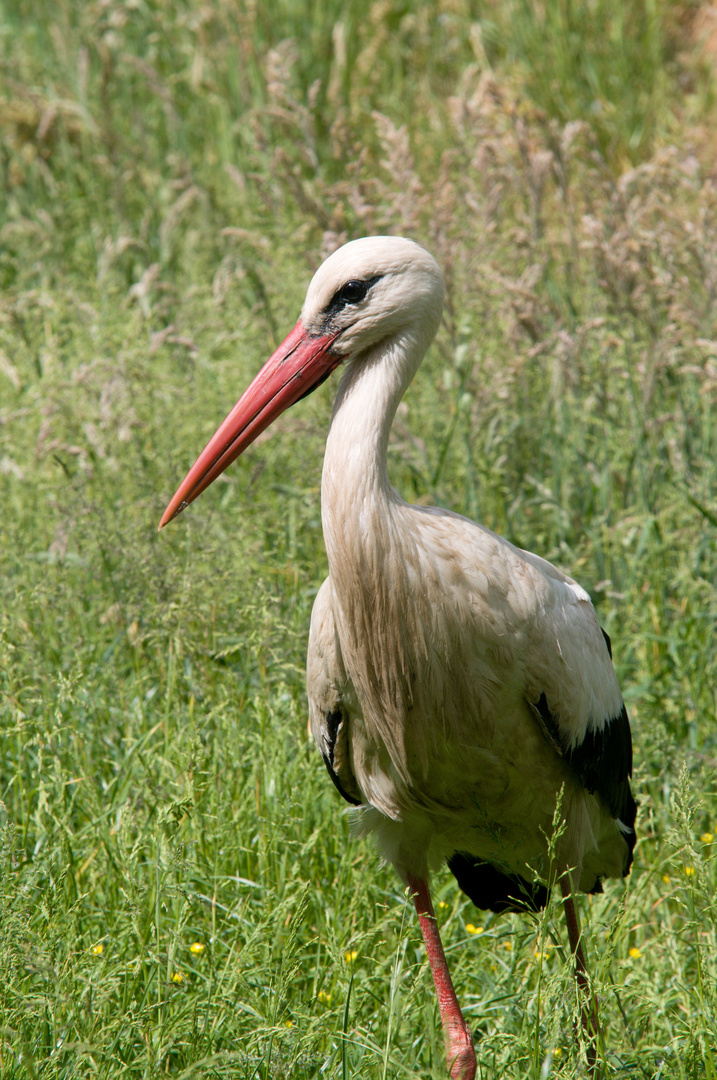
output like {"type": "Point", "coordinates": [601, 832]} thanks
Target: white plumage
{"type": "Point", "coordinates": [458, 686]}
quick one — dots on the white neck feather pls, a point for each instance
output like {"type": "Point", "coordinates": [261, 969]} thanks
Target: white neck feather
{"type": "Point", "coordinates": [368, 536]}
{"type": "Point", "coordinates": [355, 474]}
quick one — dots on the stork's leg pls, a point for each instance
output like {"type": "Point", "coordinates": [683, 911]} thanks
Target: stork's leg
{"type": "Point", "coordinates": [459, 1041]}
{"type": "Point", "coordinates": [589, 1009]}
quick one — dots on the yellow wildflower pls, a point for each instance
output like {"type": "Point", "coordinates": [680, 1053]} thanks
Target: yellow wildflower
{"type": "Point", "coordinates": [635, 953]}
{"type": "Point", "coordinates": [706, 838]}
{"type": "Point", "coordinates": [323, 997]}
{"type": "Point", "coordinates": [97, 949]}
{"type": "Point", "coordinates": [690, 871]}
{"type": "Point", "coordinates": [178, 977]}
{"type": "Point", "coordinates": [666, 879]}
{"type": "Point", "coordinates": [350, 956]}
{"type": "Point", "coordinates": [196, 948]}
{"type": "Point", "coordinates": [474, 929]}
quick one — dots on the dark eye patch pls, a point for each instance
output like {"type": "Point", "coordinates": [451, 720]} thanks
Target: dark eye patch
{"type": "Point", "coordinates": [351, 292]}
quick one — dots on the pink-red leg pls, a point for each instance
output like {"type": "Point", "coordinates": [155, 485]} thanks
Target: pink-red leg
{"type": "Point", "coordinates": [589, 1010]}
{"type": "Point", "coordinates": [459, 1042]}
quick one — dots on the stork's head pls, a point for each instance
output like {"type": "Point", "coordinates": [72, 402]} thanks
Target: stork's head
{"type": "Point", "coordinates": [371, 289]}
{"type": "Point", "coordinates": [368, 292]}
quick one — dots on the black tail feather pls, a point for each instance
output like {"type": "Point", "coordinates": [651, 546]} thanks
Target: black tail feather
{"type": "Point", "coordinates": [491, 888]}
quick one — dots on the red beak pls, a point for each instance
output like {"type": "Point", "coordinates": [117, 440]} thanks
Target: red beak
{"type": "Point", "coordinates": [298, 366]}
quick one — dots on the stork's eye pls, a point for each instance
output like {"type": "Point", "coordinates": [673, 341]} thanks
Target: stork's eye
{"type": "Point", "coordinates": [353, 291]}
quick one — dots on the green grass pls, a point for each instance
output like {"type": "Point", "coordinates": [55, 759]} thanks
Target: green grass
{"type": "Point", "coordinates": [171, 175]}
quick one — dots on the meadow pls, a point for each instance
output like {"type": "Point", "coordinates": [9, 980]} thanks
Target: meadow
{"type": "Point", "coordinates": [180, 893]}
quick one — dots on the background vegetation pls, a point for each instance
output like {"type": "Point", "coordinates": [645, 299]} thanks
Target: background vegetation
{"type": "Point", "coordinates": [179, 893]}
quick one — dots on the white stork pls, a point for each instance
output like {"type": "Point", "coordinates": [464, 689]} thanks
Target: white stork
{"type": "Point", "coordinates": [459, 687]}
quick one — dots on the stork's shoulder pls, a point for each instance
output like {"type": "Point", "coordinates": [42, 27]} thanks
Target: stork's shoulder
{"type": "Point", "coordinates": [496, 570]}
{"type": "Point", "coordinates": [546, 615]}
{"type": "Point", "coordinates": [325, 671]}
{"type": "Point", "coordinates": [324, 653]}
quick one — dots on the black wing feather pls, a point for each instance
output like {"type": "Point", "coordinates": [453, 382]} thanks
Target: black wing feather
{"type": "Point", "coordinates": [331, 734]}
{"type": "Point", "coordinates": [602, 761]}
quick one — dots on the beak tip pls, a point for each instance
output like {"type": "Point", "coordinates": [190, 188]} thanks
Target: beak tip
{"type": "Point", "coordinates": [170, 515]}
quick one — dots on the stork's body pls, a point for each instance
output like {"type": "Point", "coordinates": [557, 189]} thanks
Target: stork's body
{"type": "Point", "coordinates": [459, 688]}
{"type": "Point", "coordinates": [424, 696]}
